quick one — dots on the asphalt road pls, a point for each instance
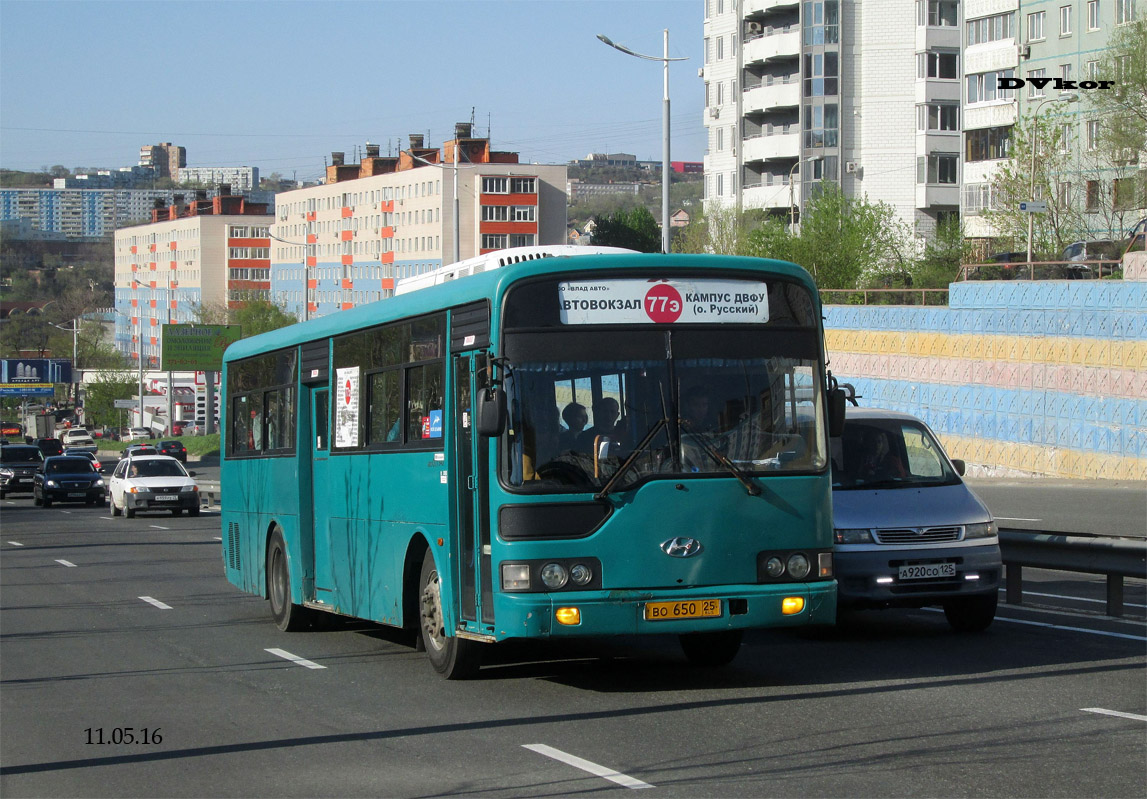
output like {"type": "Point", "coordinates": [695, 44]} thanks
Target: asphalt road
{"type": "Point", "coordinates": [111, 624]}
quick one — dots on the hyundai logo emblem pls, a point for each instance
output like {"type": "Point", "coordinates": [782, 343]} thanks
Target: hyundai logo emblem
{"type": "Point", "coordinates": [681, 547]}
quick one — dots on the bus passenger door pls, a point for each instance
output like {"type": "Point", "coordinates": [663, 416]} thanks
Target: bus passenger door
{"type": "Point", "coordinates": [319, 458]}
{"type": "Point", "coordinates": [471, 494]}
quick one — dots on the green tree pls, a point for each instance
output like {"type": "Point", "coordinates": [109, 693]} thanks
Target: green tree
{"type": "Point", "coordinates": [943, 255]}
{"type": "Point", "coordinates": [635, 230]}
{"type": "Point", "coordinates": [720, 230]}
{"type": "Point", "coordinates": [101, 394]}
{"type": "Point", "coordinates": [1122, 108]}
{"type": "Point", "coordinates": [253, 315]}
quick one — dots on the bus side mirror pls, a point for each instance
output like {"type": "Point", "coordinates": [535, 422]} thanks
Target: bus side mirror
{"type": "Point", "coordinates": [836, 403]}
{"type": "Point", "coordinates": [491, 419]}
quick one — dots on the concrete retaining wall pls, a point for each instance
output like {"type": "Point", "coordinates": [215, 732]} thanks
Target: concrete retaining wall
{"type": "Point", "coordinates": [1043, 378]}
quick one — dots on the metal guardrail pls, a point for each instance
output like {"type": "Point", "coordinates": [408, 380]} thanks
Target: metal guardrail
{"type": "Point", "coordinates": [1114, 558]}
{"type": "Point", "coordinates": [933, 297]}
{"type": "Point", "coordinates": [209, 493]}
{"type": "Point", "coordinates": [1038, 270]}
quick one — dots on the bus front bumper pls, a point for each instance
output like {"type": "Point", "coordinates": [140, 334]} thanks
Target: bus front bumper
{"type": "Point", "coordinates": [631, 612]}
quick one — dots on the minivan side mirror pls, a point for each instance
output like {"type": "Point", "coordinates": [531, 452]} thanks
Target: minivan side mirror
{"type": "Point", "coordinates": [491, 414]}
{"type": "Point", "coordinates": [959, 466]}
{"type": "Point", "coordinates": [836, 404]}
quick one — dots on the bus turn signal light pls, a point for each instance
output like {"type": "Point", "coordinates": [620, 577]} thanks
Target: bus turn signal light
{"type": "Point", "coordinates": [792, 605]}
{"type": "Point", "coordinates": [568, 616]}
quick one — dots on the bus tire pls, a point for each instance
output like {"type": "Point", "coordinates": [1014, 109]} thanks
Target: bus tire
{"type": "Point", "coordinates": [971, 614]}
{"type": "Point", "coordinates": [288, 617]}
{"type": "Point", "coordinates": [452, 657]}
{"type": "Point", "coordinates": [711, 649]}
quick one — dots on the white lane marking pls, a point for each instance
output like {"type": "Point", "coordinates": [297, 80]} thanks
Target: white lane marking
{"type": "Point", "coordinates": [217, 538]}
{"type": "Point", "coordinates": [585, 765]}
{"type": "Point", "coordinates": [1051, 626]}
{"type": "Point", "coordinates": [1132, 716]}
{"type": "Point", "coordinates": [1077, 598]}
{"type": "Point", "coordinates": [157, 527]}
{"type": "Point", "coordinates": [1015, 519]}
{"type": "Point", "coordinates": [155, 602]}
{"type": "Point", "coordinates": [67, 563]}
{"type": "Point", "coordinates": [67, 512]}
{"type": "Point", "coordinates": [109, 518]}
{"type": "Point", "coordinates": [310, 664]}
{"type": "Point", "coordinates": [15, 543]}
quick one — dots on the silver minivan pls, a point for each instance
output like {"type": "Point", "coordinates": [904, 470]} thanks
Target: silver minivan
{"type": "Point", "coordinates": [909, 531]}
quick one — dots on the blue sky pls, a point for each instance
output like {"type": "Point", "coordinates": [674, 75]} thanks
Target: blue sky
{"type": "Point", "coordinates": [279, 85]}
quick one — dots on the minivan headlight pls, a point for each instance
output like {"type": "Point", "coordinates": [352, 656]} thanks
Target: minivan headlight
{"type": "Point", "coordinates": [853, 535]}
{"type": "Point", "coordinates": [987, 530]}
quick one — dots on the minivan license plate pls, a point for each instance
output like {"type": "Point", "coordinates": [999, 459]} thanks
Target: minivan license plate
{"type": "Point", "coordinates": [688, 609]}
{"type": "Point", "coordinates": [927, 571]}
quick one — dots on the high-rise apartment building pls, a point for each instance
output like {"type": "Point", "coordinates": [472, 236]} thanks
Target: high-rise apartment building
{"type": "Point", "coordinates": [863, 94]}
{"type": "Point", "coordinates": [165, 158]}
{"type": "Point", "coordinates": [239, 178]}
{"type": "Point", "coordinates": [348, 241]}
{"type": "Point", "coordinates": [205, 253]}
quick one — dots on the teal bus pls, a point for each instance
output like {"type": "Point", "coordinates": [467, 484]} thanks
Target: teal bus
{"type": "Point", "coordinates": [542, 447]}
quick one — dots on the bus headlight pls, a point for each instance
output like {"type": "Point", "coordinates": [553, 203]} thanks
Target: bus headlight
{"type": "Point", "coordinates": [798, 566]}
{"type": "Point", "coordinates": [554, 576]}
{"type": "Point", "coordinates": [515, 576]}
{"type": "Point", "coordinates": [580, 574]}
{"type": "Point", "coordinates": [980, 530]}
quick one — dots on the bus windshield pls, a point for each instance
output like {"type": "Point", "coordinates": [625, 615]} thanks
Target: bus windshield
{"type": "Point", "coordinates": [703, 402]}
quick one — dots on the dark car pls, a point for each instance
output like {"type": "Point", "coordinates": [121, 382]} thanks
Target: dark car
{"type": "Point", "coordinates": [18, 465]}
{"type": "Point", "coordinates": [173, 449]}
{"type": "Point", "coordinates": [49, 446]}
{"type": "Point", "coordinates": [67, 479]}
{"type": "Point", "coordinates": [131, 450]}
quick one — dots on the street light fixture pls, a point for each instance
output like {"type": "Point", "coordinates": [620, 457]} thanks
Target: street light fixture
{"type": "Point", "coordinates": [792, 202]}
{"type": "Point", "coordinates": [1063, 98]}
{"type": "Point", "coordinates": [457, 234]}
{"type": "Point", "coordinates": [664, 59]}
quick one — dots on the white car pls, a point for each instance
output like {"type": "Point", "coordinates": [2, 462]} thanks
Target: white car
{"type": "Point", "coordinates": [78, 438]}
{"type": "Point", "coordinates": [152, 482]}
{"type": "Point", "coordinates": [139, 434]}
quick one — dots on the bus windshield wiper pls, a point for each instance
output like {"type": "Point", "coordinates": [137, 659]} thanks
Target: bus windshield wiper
{"type": "Point", "coordinates": [750, 486]}
{"type": "Point", "coordinates": [605, 489]}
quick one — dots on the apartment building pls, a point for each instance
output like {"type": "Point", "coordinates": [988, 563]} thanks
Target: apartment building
{"type": "Point", "coordinates": [349, 241]}
{"type": "Point", "coordinates": [239, 178]}
{"type": "Point", "coordinates": [207, 252]}
{"type": "Point", "coordinates": [863, 94]}
{"type": "Point", "coordinates": [165, 158]}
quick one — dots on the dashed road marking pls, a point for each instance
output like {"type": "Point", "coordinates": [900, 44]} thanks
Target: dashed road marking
{"type": "Point", "coordinates": [1120, 714]}
{"type": "Point", "coordinates": [67, 563]}
{"type": "Point", "coordinates": [586, 765]}
{"type": "Point", "coordinates": [156, 602]}
{"type": "Point", "coordinates": [310, 664]}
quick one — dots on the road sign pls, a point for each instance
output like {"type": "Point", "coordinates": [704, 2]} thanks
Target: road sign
{"type": "Point", "coordinates": [127, 404]}
{"type": "Point", "coordinates": [1034, 207]}
{"type": "Point", "coordinates": [198, 347]}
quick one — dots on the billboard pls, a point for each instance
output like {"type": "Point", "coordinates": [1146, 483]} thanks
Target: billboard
{"type": "Point", "coordinates": [195, 347]}
{"type": "Point", "coordinates": [34, 377]}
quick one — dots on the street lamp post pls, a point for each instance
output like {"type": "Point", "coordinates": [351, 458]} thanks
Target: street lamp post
{"type": "Point", "coordinates": [1063, 98]}
{"type": "Point", "coordinates": [664, 59]}
{"type": "Point", "coordinates": [457, 234]}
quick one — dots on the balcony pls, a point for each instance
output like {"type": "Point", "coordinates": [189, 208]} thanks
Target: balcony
{"type": "Point", "coordinates": [784, 143]}
{"type": "Point", "coordinates": [775, 93]}
{"type": "Point", "coordinates": [761, 195]}
{"type": "Point", "coordinates": [752, 7]}
{"type": "Point", "coordinates": [774, 45]}
{"type": "Point", "coordinates": [932, 195]}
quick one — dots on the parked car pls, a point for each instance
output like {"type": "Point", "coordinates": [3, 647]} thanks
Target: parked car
{"type": "Point", "coordinates": [175, 449]}
{"type": "Point", "coordinates": [83, 453]}
{"type": "Point", "coordinates": [152, 482]}
{"type": "Point", "coordinates": [18, 465]}
{"type": "Point", "coordinates": [1103, 250]}
{"type": "Point", "coordinates": [138, 434]}
{"type": "Point", "coordinates": [66, 478]}
{"type": "Point", "coordinates": [78, 438]}
{"type": "Point", "coordinates": [1008, 258]}
{"type": "Point", "coordinates": [49, 446]}
{"type": "Point", "coordinates": [909, 531]}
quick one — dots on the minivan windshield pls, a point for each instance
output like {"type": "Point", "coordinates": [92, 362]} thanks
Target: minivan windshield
{"type": "Point", "coordinates": [888, 453]}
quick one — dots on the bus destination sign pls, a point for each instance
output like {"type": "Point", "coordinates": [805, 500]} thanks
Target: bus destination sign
{"type": "Point", "coordinates": [663, 302]}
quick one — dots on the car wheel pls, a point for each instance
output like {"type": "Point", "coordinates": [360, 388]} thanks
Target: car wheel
{"type": "Point", "coordinates": [36, 500]}
{"type": "Point", "coordinates": [3, 494]}
{"type": "Point", "coordinates": [452, 657]}
{"type": "Point", "coordinates": [711, 649]}
{"type": "Point", "coordinates": [128, 512]}
{"type": "Point", "coordinates": [288, 616]}
{"type": "Point", "coordinates": [193, 511]}
{"type": "Point", "coordinates": [971, 614]}
{"type": "Point", "coordinates": [47, 503]}
{"type": "Point", "coordinates": [177, 511]}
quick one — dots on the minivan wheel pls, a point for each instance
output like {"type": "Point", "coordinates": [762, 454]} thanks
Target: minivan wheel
{"type": "Point", "coordinates": [971, 614]}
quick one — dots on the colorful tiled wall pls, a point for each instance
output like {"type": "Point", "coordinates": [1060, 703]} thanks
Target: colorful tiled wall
{"type": "Point", "coordinates": [1018, 378]}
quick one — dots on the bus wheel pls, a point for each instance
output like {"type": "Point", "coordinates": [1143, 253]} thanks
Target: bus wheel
{"type": "Point", "coordinates": [711, 649]}
{"type": "Point", "coordinates": [288, 617]}
{"type": "Point", "coordinates": [452, 657]}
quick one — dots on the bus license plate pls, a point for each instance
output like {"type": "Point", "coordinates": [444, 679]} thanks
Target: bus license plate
{"type": "Point", "coordinates": [927, 571]}
{"type": "Point", "coordinates": [688, 609]}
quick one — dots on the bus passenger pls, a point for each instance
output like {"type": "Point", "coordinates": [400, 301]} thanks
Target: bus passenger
{"type": "Point", "coordinates": [576, 418]}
